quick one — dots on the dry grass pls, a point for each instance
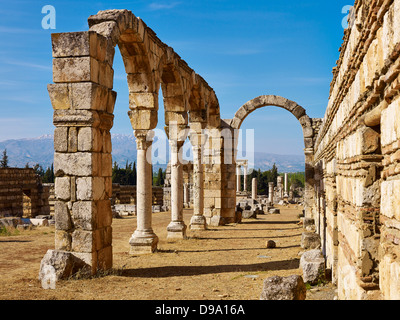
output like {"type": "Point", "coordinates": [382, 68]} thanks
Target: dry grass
{"type": "Point", "coordinates": [229, 262]}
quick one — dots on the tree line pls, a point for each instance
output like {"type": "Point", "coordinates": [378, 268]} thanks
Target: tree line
{"type": "Point", "coordinates": [265, 177]}
{"type": "Point", "coordinates": [128, 175]}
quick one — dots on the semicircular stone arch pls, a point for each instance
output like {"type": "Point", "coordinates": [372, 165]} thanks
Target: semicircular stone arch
{"type": "Point", "coordinates": [271, 100]}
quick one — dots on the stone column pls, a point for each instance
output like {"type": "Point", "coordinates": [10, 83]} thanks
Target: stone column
{"type": "Point", "coordinates": [286, 186]}
{"type": "Point", "coordinates": [143, 240]}
{"type": "Point", "coordinates": [280, 187]}
{"type": "Point", "coordinates": [271, 192]}
{"type": "Point", "coordinates": [245, 177]}
{"type": "Point", "coordinates": [186, 196]}
{"type": "Point", "coordinates": [198, 221]}
{"type": "Point", "coordinates": [177, 228]}
{"type": "Point", "coordinates": [254, 189]}
{"type": "Point", "coordinates": [238, 179]}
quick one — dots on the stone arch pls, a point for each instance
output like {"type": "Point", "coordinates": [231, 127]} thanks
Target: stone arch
{"type": "Point", "coordinates": [272, 100]}
{"type": "Point", "coordinates": [308, 132]}
{"type": "Point", "coordinates": [83, 100]}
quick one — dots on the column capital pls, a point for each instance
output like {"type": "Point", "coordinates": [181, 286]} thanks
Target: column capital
{"type": "Point", "coordinates": [144, 139]}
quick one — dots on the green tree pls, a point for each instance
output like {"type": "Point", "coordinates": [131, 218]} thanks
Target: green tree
{"type": "Point", "coordinates": [160, 178]}
{"type": "Point", "coordinates": [125, 176]}
{"type": "Point", "coordinates": [4, 160]}
{"type": "Point", "coordinates": [48, 176]}
{"type": "Point", "coordinates": [38, 170]}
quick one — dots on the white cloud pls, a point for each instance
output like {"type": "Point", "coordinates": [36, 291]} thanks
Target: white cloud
{"type": "Point", "coordinates": [29, 65]}
{"type": "Point", "coordinates": [163, 6]}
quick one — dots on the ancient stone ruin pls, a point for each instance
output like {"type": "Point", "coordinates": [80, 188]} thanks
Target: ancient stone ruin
{"type": "Point", "coordinates": [352, 155]}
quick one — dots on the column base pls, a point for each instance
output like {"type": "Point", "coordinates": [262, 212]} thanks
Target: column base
{"type": "Point", "coordinates": [198, 223]}
{"type": "Point", "coordinates": [176, 230]}
{"type": "Point", "coordinates": [143, 243]}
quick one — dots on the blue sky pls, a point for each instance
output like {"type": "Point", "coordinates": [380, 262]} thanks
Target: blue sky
{"type": "Point", "coordinates": [243, 49]}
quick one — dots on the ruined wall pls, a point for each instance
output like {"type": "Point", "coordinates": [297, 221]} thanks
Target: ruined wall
{"type": "Point", "coordinates": [22, 194]}
{"type": "Point", "coordinates": [356, 159]}
{"type": "Point", "coordinates": [127, 195]}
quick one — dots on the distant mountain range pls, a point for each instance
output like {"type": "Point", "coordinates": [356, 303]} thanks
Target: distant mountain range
{"type": "Point", "coordinates": [41, 150]}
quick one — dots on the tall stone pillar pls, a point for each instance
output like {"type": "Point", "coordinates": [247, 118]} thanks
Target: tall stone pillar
{"type": "Point", "coordinates": [143, 240]}
{"type": "Point", "coordinates": [83, 103]}
{"type": "Point", "coordinates": [198, 221]}
{"type": "Point", "coordinates": [280, 187]}
{"type": "Point", "coordinates": [177, 228]}
{"type": "Point", "coordinates": [271, 192]}
{"type": "Point", "coordinates": [238, 178]}
{"type": "Point", "coordinates": [254, 189]}
{"type": "Point", "coordinates": [245, 178]}
{"type": "Point", "coordinates": [286, 186]}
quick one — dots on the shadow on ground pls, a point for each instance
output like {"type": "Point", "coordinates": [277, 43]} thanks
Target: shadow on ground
{"type": "Point", "coordinates": [183, 271]}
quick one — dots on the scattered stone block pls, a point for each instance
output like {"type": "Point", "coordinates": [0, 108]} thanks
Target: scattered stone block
{"type": "Point", "coordinates": [271, 244]}
{"type": "Point", "coordinates": [249, 214]}
{"type": "Point", "coordinates": [274, 211]}
{"type": "Point", "coordinates": [238, 216]}
{"type": "Point", "coordinates": [280, 288]}
{"type": "Point", "coordinates": [313, 265]}
{"type": "Point", "coordinates": [64, 263]}
{"type": "Point", "coordinates": [310, 240]}
{"type": "Point", "coordinates": [309, 224]}
{"type": "Point", "coordinates": [40, 222]}
{"type": "Point", "coordinates": [10, 222]}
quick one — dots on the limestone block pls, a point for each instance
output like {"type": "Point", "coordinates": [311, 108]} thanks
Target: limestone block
{"type": "Point", "coordinates": [103, 238]}
{"type": "Point", "coordinates": [280, 288]}
{"type": "Point", "coordinates": [60, 96]}
{"type": "Point", "coordinates": [124, 19]}
{"type": "Point", "coordinates": [82, 241]}
{"type": "Point", "coordinates": [144, 119]}
{"type": "Point", "coordinates": [89, 96]}
{"type": "Point", "coordinates": [40, 222]}
{"type": "Point", "coordinates": [84, 215]}
{"type": "Point", "coordinates": [390, 128]}
{"type": "Point", "coordinates": [143, 100]}
{"type": "Point", "coordinates": [90, 139]}
{"type": "Point", "coordinates": [310, 240]}
{"type": "Point", "coordinates": [77, 69]}
{"type": "Point", "coordinates": [313, 265]}
{"type": "Point", "coordinates": [179, 118]}
{"type": "Point", "coordinates": [76, 118]}
{"type": "Point", "coordinates": [74, 44]}
{"type": "Point", "coordinates": [62, 216]}
{"type": "Point", "coordinates": [72, 139]}
{"type": "Point", "coordinates": [390, 201]}
{"type": "Point", "coordinates": [249, 214]}
{"type": "Point", "coordinates": [389, 279]}
{"type": "Point", "coordinates": [75, 164]}
{"type": "Point", "coordinates": [90, 188]}
{"type": "Point", "coordinates": [298, 112]}
{"type": "Point", "coordinates": [140, 82]}
{"type": "Point", "coordinates": [104, 213]}
{"type": "Point", "coordinates": [62, 188]}
{"type": "Point", "coordinates": [108, 29]}
{"type": "Point", "coordinates": [175, 104]}
{"type": "Point", "coordinates": [105, 258]}
{"type": "Point", "coordinates": [62, 262]}
{"type": "Point", "coordinates": [62, 240]}
{"type": "Point", "coordinates": [61, 139]}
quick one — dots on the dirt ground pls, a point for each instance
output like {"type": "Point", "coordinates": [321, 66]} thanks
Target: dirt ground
{"type": "Point", "coordinates": [222, 263]}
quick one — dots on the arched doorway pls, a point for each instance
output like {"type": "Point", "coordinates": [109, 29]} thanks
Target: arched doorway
{"type": "Point", "coordinates": [309, 127]}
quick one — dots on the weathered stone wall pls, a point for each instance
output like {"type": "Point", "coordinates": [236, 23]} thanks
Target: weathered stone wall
{"type": "Point", "coordinates": [127, 195]}
{"type": "Point", "coordinates": [22, 194]}
{"type": "Point", "coordinates": [356, 160]}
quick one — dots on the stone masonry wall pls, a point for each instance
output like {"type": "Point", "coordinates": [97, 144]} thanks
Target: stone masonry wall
{"type": "Point", "coordinates": [357, 157]}
{"type": "Point", "coordinates": [22, 193]}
